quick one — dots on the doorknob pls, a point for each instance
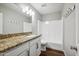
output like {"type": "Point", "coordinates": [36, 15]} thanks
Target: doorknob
{"type": "Point", "coordinates": [74, 48]}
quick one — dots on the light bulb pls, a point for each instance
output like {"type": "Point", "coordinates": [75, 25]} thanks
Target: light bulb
{"type": "Point", "coordinates": [46, 22]}
{"type": "Point", "coordinates": [33, 13]}
{"type": "Point", "coordinates": [30, 11]}
{"type": "Point", "coordinates": [25, 9]}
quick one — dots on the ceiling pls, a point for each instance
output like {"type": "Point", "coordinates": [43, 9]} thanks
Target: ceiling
{"type": "Point", "coordinates": [47, 8]}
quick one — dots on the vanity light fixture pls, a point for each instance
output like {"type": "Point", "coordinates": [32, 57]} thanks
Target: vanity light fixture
{"type": "Point", "coordinates": [28, 11]}
{"type": "Point", "coordinates": [25, 9]}
{"type": "Point", "coordinates": [33, 13]}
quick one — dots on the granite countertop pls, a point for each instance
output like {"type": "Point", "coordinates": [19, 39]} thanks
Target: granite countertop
{"type": "Point", "coordinates": [11, 42]}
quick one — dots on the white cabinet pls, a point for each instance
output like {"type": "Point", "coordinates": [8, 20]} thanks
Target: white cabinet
{"type": "Point", "coordinates": [35, 47]}
{"type": "Point", "coordinates": [30, 48]}
{"type": "Point", "coordinates": [33, 50]}
{"type": "Point", "coordinates": [17, 50]}
{"type": "Point", "coordinates": [38, 50]}
{"type": "Point", "coordinates": [24, 53]}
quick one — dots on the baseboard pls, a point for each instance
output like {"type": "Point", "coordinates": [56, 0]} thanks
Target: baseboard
{"type": "Point", "coordinates": [55, 46]}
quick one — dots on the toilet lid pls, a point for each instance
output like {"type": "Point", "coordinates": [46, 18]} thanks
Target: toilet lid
{"type": "Point", "coordinates": [43, 42]}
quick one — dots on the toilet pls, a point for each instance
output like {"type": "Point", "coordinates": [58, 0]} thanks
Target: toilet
{"type": "Point", "coordinates": [43, 45]}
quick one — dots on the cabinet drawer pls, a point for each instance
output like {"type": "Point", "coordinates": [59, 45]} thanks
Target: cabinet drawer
{"type": "Point", "coordinates": [17, 50]}
{"type": "Point", "coordinates": [33, 50]}
{"type": "Point", "coordinates": [1, 54]}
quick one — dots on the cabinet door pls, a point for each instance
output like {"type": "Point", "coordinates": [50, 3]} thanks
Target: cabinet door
{"type": "Point", "coordinates": [17, 50]}
{"type": "Point", "coordinates": [1, 54]}
{"type": "Point", "coordinates": [38, 47]}
{"type": "Point", "coordinates": [33, 50]}
{"type": "Point", "coordinates": [24, 53]}
{"type": "Point", "coordinates": [35, 47]}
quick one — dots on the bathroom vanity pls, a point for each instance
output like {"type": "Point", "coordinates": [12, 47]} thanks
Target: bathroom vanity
{"type": "Point", "coordinates": [25, 46]}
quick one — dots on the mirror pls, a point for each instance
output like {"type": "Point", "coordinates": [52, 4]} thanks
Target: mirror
{"type": "Point", "coordinates": [27, 25]}
{"type": "Point", "coordinates": [13, 20]}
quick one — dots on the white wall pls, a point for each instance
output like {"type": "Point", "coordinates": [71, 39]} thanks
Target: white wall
{"type": "Point", "coordinates": [69, 30]}
{"type": "Point", "coordinates": [1, 23]}
{"type": "Point", "coordinates": [13, 20]}
{"type": "Point", "coordinates": [35, 23]}
{"type": "Point", "coordinates": [77, 22]}
{"type": "Point", "coordinates": [39, 26]}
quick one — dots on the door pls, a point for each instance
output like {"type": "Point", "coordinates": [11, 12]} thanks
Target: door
{"type": "Point", "coordinates": [33, 50]}
{"type": "Point", "coordinates": [24, 53]}
{"type": "Point", "coordinates": [70, 35]}
{"type": "Point", "coordinates": [38, 48]}
{"type": "Point", "coordinates": [35, 47]}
